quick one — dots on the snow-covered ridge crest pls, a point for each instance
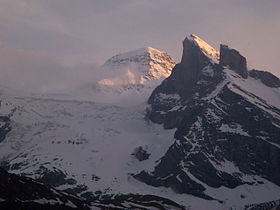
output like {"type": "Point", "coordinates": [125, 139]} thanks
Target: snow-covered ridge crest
{"type": "Point", "coordinates": [144, 67]}
{"type": "Point", "coordinates": [207, 49]}
{"type": "Point", "coordinates": [152, 63]}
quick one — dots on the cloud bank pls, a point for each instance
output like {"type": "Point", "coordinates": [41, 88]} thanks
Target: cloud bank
{"type": "Point", "coordinates": [38, 72]}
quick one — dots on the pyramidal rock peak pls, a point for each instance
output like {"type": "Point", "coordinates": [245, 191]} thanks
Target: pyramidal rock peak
{"type": "Point", "coordinates": [222, 113]}
{"type": "Point", "coordinates": [205, 47]}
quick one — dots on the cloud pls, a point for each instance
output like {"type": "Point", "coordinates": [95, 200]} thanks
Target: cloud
{"type": "Point", "coordinates": [35, 71]}
{"type": "Point", "coordinates": [29, 71]}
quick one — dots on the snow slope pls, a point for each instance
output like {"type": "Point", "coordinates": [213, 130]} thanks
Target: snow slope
{"type": "Point", "coordinates": [254, 90]}
{"type": "Point", "coordinates": [90, 142]}
{"type": "Point", "coordinates": [101, 136]}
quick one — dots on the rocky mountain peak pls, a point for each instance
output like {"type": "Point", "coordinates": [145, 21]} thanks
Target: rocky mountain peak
{"type": "Point", "coordinates": [150, 62]}
{"type": "Point", "coordinates": [135, 70]}
{"type": "Point", "coordinates": [196, 55]}
{"type": "Point", "coordinates": [205, 47]}
{"type": "Point", "coordinates": [234, 60]}
{"type": "Point", "coordinates": [197, 63]}
{"type": "Point", "coordinates": [227, 127]}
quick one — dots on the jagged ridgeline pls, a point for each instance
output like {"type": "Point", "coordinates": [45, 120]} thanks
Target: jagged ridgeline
{"type": "Point", "coordinates": [227, 122]}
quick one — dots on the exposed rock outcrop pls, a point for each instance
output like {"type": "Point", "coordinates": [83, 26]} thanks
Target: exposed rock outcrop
{"type": "Point", "coordinates": [198, 64]}
{"type": "Point", "coordinates": [26, 194]}
{"type": "Point", "coordinates": [141, 154]}
{"type": "Point", "coordinates": [234, 60]}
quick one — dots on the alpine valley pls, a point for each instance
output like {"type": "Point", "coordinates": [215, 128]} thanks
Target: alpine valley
{"type": "Point", "coordinates": [201, 134]}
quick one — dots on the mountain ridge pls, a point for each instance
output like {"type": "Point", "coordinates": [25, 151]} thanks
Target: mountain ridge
{"type": "Point", "coordinates": [219, 119]}
{"type": "Point", "coordinates": [208, 139]}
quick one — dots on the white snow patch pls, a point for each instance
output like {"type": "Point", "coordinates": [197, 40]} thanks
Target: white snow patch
{"type": "Point", "coordinates": [176, 108]}
{"type": "Point", "coordinates": [208, 71]}
{"type": "Point", "coordinates": [175, 97]}
{"type": "Point", "coordinates": [245, 194]}
{"type": "Point", "coordinates": [272, 143]}
{"type": "Point", "coordinates": [47, 201]}
{"type": "Point", "coordinates": [218, 89]}
{"type": "Point", "coordinates": [225, 166]}
{"type": "Point", "coordinates": [236, 128]}
{"type": "Point", "coordinates": [212, 115]}
{"type": "Point", "coordinates": [270, 95]}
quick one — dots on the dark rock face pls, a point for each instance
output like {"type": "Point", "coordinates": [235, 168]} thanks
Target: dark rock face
{"type": "Point", "coordinates": [5, 127]}
{"type": "Point", "coordinates": [217, 129]}
{"type": "Point", "coordinates": [233, 59]}
{"type": "Point", "coordinates": [132, 201]}
{"type": "Point", "coordinates": [54, 178]}
{"type": "Point", "coordinates": [20, 193]}
{"type": "Point", "coordinates": [141, 154]}
{"type": "Point", "coordinates": [185, 74]}
{"type": "Point", "coordinates": [181, 86]}
{"type": "Point", "coordinates": [266, 77]}
{"type": "Point", "coordinates": [193, 60]}
{"type": "Point", "coordinates": [272, 205]}
{"type": "Point", "coordinates": [202, 149]}
{"type": "Point", "coordinates": [26, 194]}
{"type": "Point", "coordinates": [5, 118]}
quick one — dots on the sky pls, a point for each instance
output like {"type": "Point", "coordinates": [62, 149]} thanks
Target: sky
{"type": "Point", "coordinates": [47, 37]}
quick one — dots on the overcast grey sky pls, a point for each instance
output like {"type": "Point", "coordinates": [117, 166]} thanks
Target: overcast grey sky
{"type": "Point", "coordinates": [90, 31]}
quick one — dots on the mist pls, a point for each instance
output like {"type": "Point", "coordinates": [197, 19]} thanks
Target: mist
{"type": "Point", "coordinates": [39, 72]}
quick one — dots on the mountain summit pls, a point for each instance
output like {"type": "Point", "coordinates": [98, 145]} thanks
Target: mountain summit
{"type": "Point", "coordinates": [135, 70]}
{"type": "Point", "coordinates": [150, 62]}
{"type": "Point", "coordinates": [205, 47]}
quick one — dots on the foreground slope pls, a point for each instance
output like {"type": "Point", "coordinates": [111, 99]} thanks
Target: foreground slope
{"type": "Point", "coordinates": [23, 193]}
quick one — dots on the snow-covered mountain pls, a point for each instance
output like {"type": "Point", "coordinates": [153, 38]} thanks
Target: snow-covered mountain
{"type": "Point", "coordinates": [207, 139]}
{"type": "Point", "coordinates": [138, 69]}
{"type": "Point", "coordinates": [126, 78]}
